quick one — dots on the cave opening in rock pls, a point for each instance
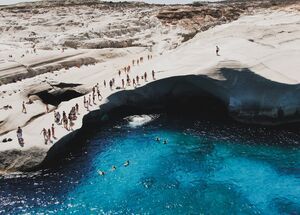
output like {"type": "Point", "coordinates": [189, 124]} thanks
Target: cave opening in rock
{"type": "Point", "coordinates": [57, 97]}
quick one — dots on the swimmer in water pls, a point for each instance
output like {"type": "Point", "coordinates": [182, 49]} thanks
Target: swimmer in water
{"type": "Point", "coordinates": [113, 168]}
{"type": "Point", "coordinates": [165, 141]}
{"type": "Point", "coordinates": [126, 163]}
{"type": "Point", "coordinates": [157, 139]}
{"type": "Point", "coordinates": [101, 173]}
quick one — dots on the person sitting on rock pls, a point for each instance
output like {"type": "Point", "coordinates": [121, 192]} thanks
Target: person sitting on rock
{"type": "Point", "coordinates": [29, 102]}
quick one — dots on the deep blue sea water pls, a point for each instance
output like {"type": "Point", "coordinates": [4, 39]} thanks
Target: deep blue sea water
{"type": "Point", "coordinates": [205, 168]}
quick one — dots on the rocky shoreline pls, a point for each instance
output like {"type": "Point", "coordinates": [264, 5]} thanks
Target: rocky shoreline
{"type": "Point", "coordinates": [248, 81]}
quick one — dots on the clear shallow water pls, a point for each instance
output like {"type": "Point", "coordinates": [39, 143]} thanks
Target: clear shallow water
{"type": "Point", "coordinates": [206, 167]}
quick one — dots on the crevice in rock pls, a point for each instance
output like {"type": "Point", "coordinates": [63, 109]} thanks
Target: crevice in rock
{"type": "Point", "coordinates": [65, 85]}
{"type": "Point", "coordinates": [58, 96]}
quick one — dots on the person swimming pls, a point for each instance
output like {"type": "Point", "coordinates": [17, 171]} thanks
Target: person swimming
{"type": "Point", "coordinates": [113, 168]}
{"type": "Point", "coordinates": [126, 163]}
{"type": "Point", "coordinates": [165, 141]}
{"type": "Point", "coordinates": [157, 139]}
{"type": "Point", "coordinates": [101, 173]}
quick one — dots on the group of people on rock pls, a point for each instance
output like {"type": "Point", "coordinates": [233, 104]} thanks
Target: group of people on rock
{"type": "Point", "coordinates": [92, 97]}
{"type": "Point", "coordinates": [135, 80]}
{"type": "Point", "coordinates": [48, 134]}
{"type": "Point", "coordinates": [67, 121]}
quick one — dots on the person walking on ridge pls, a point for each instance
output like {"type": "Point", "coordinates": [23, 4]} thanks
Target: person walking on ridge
{"type": "Point", "coordinates": [217, 50]}
{"type": "Point", "coordinates": [24, 108]}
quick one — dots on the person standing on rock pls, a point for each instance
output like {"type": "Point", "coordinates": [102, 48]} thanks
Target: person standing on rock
{"type": "Point", "coordinates": [90, 101]}
{"type": "Point", "coordinates": [57, 117]}
{"type": "Point", "coordinates": [137, 80]}
{"type": "Point", "coordinates": [133, 82]}
{"type": "Point", "coordinates": [84, 101]}
{"type": "Point", "coordinates": [110, 84]}
{"type": "Point", "coordinates": [20, 136]}
{"type": "Point", "coordinates": [145, 76]}
{"type": "Point", "coordinates": [44, 132]}
{"type": "Point", "coordinates": [70, 122]}
{"type": "Point", "coordinates": [47, 108]}
{"type": "Point", "coordinates": [153, 75]}
{"type": "Point", "coordinates": [49, 135]}
{"type": "Point", "coordinates": [104, 83]}
{"type": "Point", "coordinates": [123, 84]}
{"type": "Point", "coordinates": [94, 96]}
{"type": "Point", "coordinates": [119, 73]}
{"type": "Point", "coordinates": [53, 131]}
{"type": "Point", "coordinates": [99, 95]}
{"type": "Point", "coordinates": [217, 50]}
{"type": "Point", "coordinates": [65, 120]}
{"type": "Point", "coordinates": [128, 80]}
{"type": "Point", "coordinates": [24, 108]}
{"type": "Point", "coordinates": [77, 108]}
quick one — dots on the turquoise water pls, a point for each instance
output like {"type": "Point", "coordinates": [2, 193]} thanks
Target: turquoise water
{"type": "Point", "coordinates": [205, 168]}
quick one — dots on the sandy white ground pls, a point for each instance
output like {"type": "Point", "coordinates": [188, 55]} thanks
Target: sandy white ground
{"type": "Point", "coordinates": [268, 43]}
